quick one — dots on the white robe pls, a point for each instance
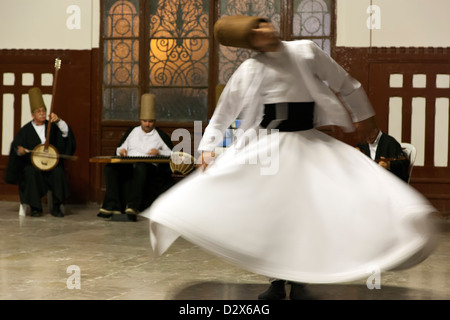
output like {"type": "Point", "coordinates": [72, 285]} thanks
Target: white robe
{"type": "Point", "coordinates": [299, 206]}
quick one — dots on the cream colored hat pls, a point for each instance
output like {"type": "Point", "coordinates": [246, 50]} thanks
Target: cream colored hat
{"type": "Point", "coordinates": [36, 100]}
{"type": "Point", "coordinates": [235, 31]}
{"type": "Point", "coordinates": [147, 107]}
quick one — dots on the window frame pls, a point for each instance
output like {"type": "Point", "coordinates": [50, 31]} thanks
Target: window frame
{"type": "Point", "coordinates": [286, 33]}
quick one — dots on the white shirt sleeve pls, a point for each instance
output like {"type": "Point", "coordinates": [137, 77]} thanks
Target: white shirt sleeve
{"type": "Point", "coordinates": [230, 105]}
{"type": "Point", "coordinates": [344, 84]}
{"type": "Point", "coordinates": [164, 150]}
{"type": "Point", "coordinates": [124, 145]}
{"type": "Point", "coordinates": [62, 125]}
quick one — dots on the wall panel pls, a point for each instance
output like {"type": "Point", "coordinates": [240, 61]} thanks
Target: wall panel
{"type": "Point", "coordinates": [409, 90]}
{"type": "Point", "coordinates": [22, 69]}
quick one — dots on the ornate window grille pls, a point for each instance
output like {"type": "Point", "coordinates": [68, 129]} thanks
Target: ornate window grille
{"type": "Point", "coordinates": [164, 47]}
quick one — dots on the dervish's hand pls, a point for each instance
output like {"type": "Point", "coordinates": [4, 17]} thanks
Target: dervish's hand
{"type": "Point", "coordinates": [206, 159]}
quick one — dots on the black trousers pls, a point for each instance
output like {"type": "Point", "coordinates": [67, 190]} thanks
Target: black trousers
{"type": "Point", "coordinates": [134, 185]}
{"type": "Point", "coordinates": [35, 183]}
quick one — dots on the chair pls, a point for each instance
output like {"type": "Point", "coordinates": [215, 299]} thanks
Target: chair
{"type": "Point", "coordinates": [411, 153]}
{"type": "Point", "coordinates": [24, 208]}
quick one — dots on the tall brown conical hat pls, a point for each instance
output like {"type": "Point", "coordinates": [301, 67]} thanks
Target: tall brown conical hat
{"type": "Point", "coordinates": [147, 107]}
{"type": "Point", "coordinates": [36, 100]}
{"type": "Point", "coordinates": [235, 31]}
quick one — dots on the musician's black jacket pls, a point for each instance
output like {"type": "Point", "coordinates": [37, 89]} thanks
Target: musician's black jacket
{"type": "Point", "coordinates": [389, 147]}
{"type": "Point", "coordinates": [28, 138]}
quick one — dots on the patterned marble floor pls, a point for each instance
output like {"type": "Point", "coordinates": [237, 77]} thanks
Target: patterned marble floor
{"type": "Point", "coordinates": [83, 257]}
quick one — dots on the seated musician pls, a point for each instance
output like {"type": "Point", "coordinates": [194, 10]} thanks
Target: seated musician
{"type": "Point", "coordinates": [131, 187]}
{"type": "Point", "coordinates": [33, 182]}
{"type": "Point", "coordinates": [387, 151]}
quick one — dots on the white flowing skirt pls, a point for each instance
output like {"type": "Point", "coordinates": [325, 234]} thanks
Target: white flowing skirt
{"type": "Point", "coordinates": [299, 206]}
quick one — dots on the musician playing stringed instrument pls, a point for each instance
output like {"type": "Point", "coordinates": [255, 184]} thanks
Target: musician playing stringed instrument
{"type": "Point", "coordinates": [33, 182]}
{"type": "Point", "coordinates": [387, 152]}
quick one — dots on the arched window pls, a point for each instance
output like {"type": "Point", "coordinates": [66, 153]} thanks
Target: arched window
{"type": "Point", "coordinates": [121, 60]}
{"type": "Point", "coordinates": [179, 58]}
{"type": "Point", "coordinates": [165, 46]}
{"type": "Point", "coordinates": [312, 20]}
{"type": "Point", "coordinates": [160, 47]}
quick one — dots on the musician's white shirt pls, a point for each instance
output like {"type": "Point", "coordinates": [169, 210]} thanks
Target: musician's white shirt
{"type": "Point", "coordinates": [40, 130]}
{"type": "Point", "coordinates": [373, 146]}
{"type": "Point", "coordinates": [139, 143]}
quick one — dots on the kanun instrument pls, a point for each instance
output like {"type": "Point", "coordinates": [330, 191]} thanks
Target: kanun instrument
{"type": "Point", "coordinates": [130, 159]}
{"type": "Point", "coordinates": [180, 163]}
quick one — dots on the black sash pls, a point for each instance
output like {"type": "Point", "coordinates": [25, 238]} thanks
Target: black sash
{"type": "Point", "coordinates": [292, 116]}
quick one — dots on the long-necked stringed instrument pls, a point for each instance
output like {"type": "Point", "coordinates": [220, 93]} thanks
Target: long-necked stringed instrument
{"type": "Point", "coordinates": [45, 156]}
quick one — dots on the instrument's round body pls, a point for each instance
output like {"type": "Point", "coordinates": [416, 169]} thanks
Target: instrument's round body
{"type": "Point", "coordinates": [44, 158]}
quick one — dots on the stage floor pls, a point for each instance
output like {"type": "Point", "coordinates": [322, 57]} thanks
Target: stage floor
{"type": "Point", "coordinates": [83, 257]}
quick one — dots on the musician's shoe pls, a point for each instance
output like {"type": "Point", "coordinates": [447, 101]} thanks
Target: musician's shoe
{"type": "Point", "coordinates": [36, 213]}
{"type": "Point", "coordinates": [276, 291]}
{"type": "Point", "coordinates": [131, 214]}
{"type": "Point", "coordinates": [132, 217]}
{"type": "Point", "coordinates": [105, 213]}
{"type": "Point", "coordinates": [56, 211]}
{"type": "Point", "coordinates": [130, 211]}
{"type": "Point", "coordinates": [123, 217]}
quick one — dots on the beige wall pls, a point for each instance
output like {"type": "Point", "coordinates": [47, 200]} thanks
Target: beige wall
{"type": "Point", "coordinates": [56, 24]}
{"type": "Point", "coordinates": [402, 23]}
{"type": "Point", "coordinates": [49, 24]}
